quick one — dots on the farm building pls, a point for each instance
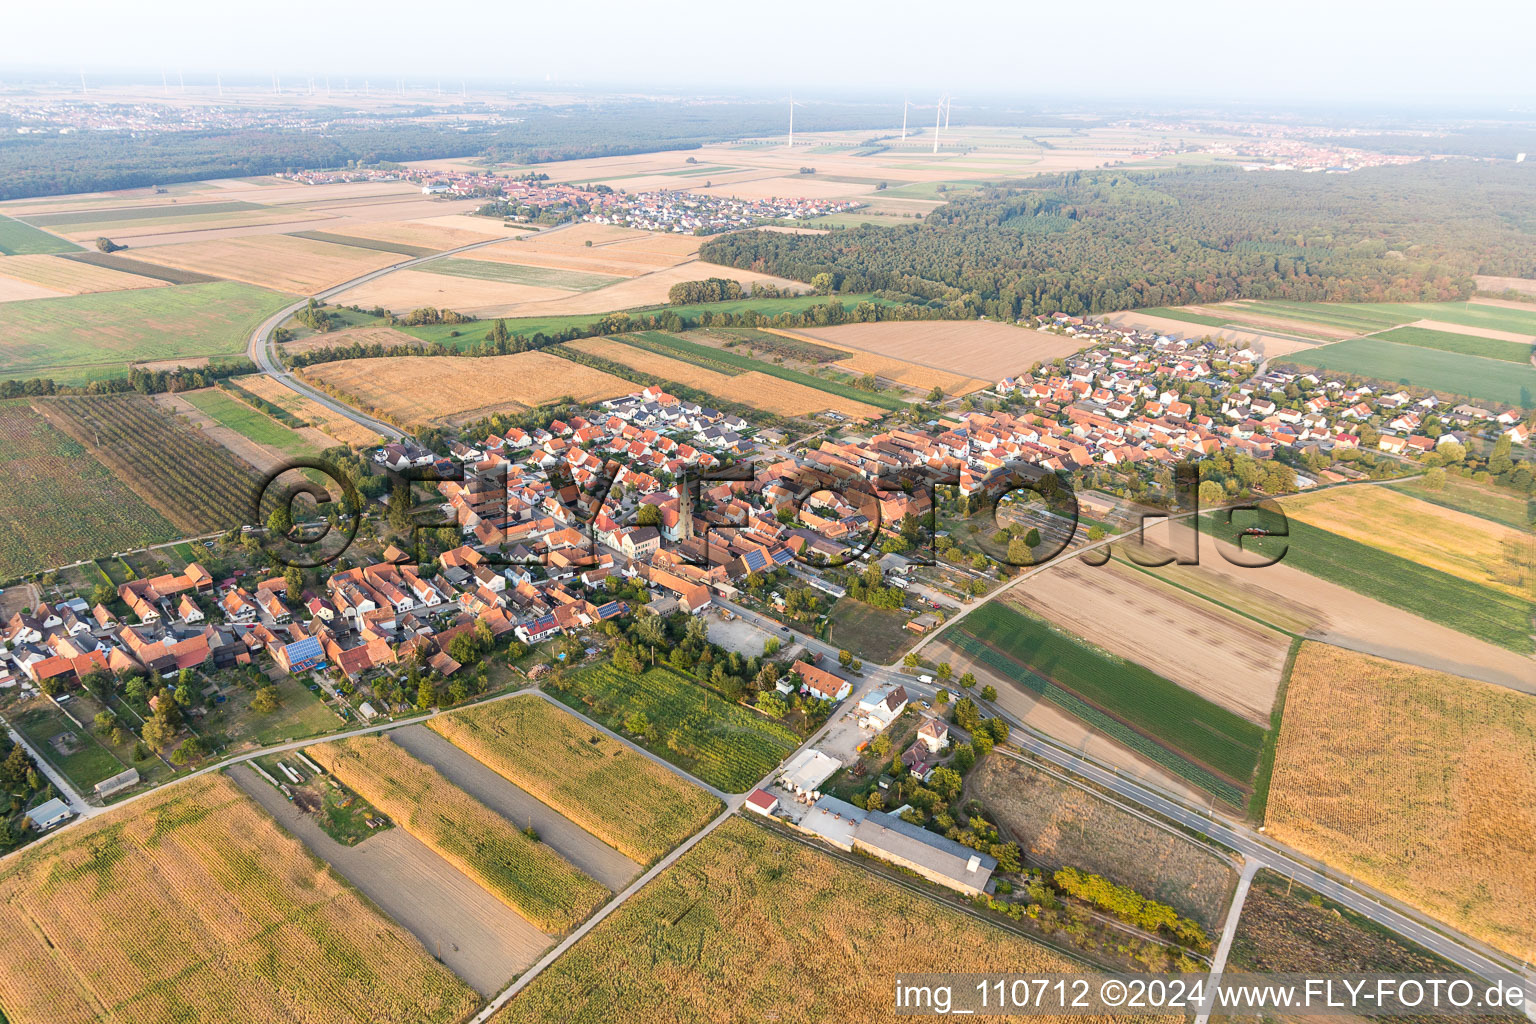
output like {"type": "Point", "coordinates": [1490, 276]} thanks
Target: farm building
{"type": "Point", "coordinates": [762, 803]}
{"type": "Point", "coordinates": [935, 858]}
{"type": "Point", "coordinates": [46, 815]}
{"type": "Point", "coordinates": [833, 821]}
{"type": "Point", "coordinates": [807, 770]}
{"type": "Point", "coordinates": [881, 707]}
{"type": "Point", "coordinates": [123, 780]}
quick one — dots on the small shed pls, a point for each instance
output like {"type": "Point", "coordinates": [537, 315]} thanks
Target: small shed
{"type": "Point", "coordinates": [47, 815]}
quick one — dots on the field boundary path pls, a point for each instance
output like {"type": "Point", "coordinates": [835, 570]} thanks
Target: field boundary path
{"type": "Point", "coordinates": [1229, 932]}
{"type": "Point", "coordinates": [263, 351]}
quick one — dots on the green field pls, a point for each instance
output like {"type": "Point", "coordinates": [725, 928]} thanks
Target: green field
{"type": "Point", "coordinates": [1466, 314]}
{"type": "Point", "coordinates": [141, 214]}
{"type": "Point", "coordinates": [1186, 316]}
{"type": "Point", "coordinates": [249, 422]}
{"type": "Point", "coordinates": [672, 343]}
{"type": "Point", "coordinates": [1362, 318]}
{"type": "Point", "coordinates": [87, 763]}
{"type": "Point", "coordinates": [1466, 607]}
{"type": "Point", "coordinates": [694, 171]}
{"type": "Point", "coordinates": [461, 335]}
{"type": "Point", "coordinates": [511, 273]}
{"type": "Point", "coordinates": [1465, 344]}
{"type": "Point", "coordinates": [83, 338]}
{"type": "Point", "coordinates": [1156, 707]}
{"type": "Point", "coordinates": [59, 504]}
{"type": "Point", "coordinates": [18, 239]}
{"type": "Point", "coordinates": [726, 745]}
{"type": "Point", "coordinates": [1450, 373]}
{"type": "Point", "coordinates": [1492, 503]}
{"type": "Point", "coordinates": [402, 248]}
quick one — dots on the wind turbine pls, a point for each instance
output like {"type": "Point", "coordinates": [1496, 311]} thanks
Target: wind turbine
{"type": "Point", "coordinates": [218, 77]}
{"type": "Point", "coordinates": [948, 102]}
{"type": "Point", "coordinates": [181, 77]}
{"type": "Point", "coordinates": [938, 111]}
{"type": "Point", "coordinates": [792, 106]}
{"type": "Point", "coordinates": [165, 83]}
{"type": "Point", "coordinates": [905, 103]}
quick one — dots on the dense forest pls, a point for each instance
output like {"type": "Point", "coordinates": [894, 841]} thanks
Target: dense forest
{"type": "Point", "coordinates": [1093, 242]}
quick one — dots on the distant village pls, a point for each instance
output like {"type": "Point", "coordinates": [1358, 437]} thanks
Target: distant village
{"type": "Point", "coordinates": [527, 198]}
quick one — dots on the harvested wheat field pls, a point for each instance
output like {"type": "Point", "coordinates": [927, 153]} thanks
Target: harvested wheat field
{"type": "Point", "coordinates": [972, 348]}
{"type": "Point", "coordinates": [412, 232]}
{"type": "Point", "coordinates": [754, 388]}
{"type": "Point", "coordinates": [193, 906]}
{"type": "Point", "coordinates": [15, 290]}
{"type": "Point", "coordinates": [1058, 824]}
{"type": "Point", "coordinates": [924, 378]}
{"type": "Point", "coordinates": [1475, 332]}
{"type": "Point", "coordinates": [750, 925]}
{"type": "Point", "coordinates": [1463, 545]}
{"type": "Point", "coordinates": [384, 337]}
{"type": "Point", "coordinates": [1521, 285]}
{"type": "Point", "coordinates": [1270, 345]}
{"type": "Point", "coordinates": [647, 290]}
{"type": "Point", "coordinates": [1225, 658]}
{"type": "Point", "coordinates": [652, 364]}
{"type": "Point", "coordinates": [525, 875]}
{"type": "Point", "coordinates": [405, 290]}
{"type": "Point", "coordinates": [1419, 783]}
{"type": "Point", "coordinates": [575, 769]}
{"type": "Point", "coordinates": [299, 266]}
{"type": "Point", "coordinates": [71, 277]}
{"type": "Point", "coordinates": [332, 424]}
{"type": "Point", "coordinates": [421, 389]}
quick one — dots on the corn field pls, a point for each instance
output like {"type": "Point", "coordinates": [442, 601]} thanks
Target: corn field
{"type": "Point", "coordinates": [193, 906]}
{"type": "Point", "coordinates": [1420, 783]}
{"type": "Point", "coordinates": [525, 875]}
{"type": "Point", "coordinates": [625, 799]}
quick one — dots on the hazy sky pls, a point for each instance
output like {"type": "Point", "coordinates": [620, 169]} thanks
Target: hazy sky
{"type": "Point", "coordinates": [1303, 50]}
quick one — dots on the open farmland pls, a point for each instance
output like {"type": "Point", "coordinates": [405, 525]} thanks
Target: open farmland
{"type": "Point", "coordinates": [1462, 340]}
{"type": "Point", "coordinates": [1495, 504]}
{"type": "Point", "coordinates": [250, 423]}
{"type": "Point", "coordinates": [512, 273]}
{"type": "Point", "coordinates": [160, 219]}
{"type": "Point", "coordinates": [983, 349]}
{"type": "Point", "coordinates": [1497, 616]}
{"type": "Point", "coordinates": [1269, 337]}
{"type": "Point", "coordinates": [374, 339]}
{"type": "Point", "coordinates": [191, 905]}
{"type": "Point", "coordinates": [758, 390]}
{"type": "Point", "coordinates": [1188, 735]}
{"type": "Point", "coordinates": [196, 484]}
{"type": "Point", "coordinates": [94, 337]}
{"type": "Point", "coordinates": [18, 238]}
{"type": "Point", "coordinates": [1058, 824]}
{"type": "Point", "coordinates": [413, 288]}
{"type": "Point", "coordinates": [286, 263]}
{"type": "Point", "coordinates": [726, 745]}
{"type": "Point", "coordinates": [71, 277]}
{"type": "Point", "coordinates": [330, 422]}
{"type": "Point", "coordinates": [423, 389]}
{"type": "Point", "coordinates": [576, 769]}
{"type": "Point", "coordinates": [685, 348]}
{"type": "Point", "coordinates": [524, 874]}
{"type": "Point", "coordinates": [1419, 783]}
{"type": "Point", "coordinates": [1460, 544]}
{"type": "Point", "coordinates": [751, 925]}
{"type": "Point", "coordinates": [481, 939]}
{"type": "Point", "coordinates": [1219, 655]}
{"type": "Point", "coordinates": [922, 378]}
{"type": "Point", "coordinates": [59, 503]}
{"type": "Point", "coordinates": [1448, 373]}
{"type": "Point", "coordinates": [1288, 598]}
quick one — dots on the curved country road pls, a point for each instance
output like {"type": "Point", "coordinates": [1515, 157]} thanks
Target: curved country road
{"type": "Point", "coordinates": [262, 350]}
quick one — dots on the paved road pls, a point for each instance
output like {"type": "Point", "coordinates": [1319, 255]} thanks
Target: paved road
{"type": "Point", "coordinates": [263, 353]}
{"type": "Point", "coordinates": [1229, 932]}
